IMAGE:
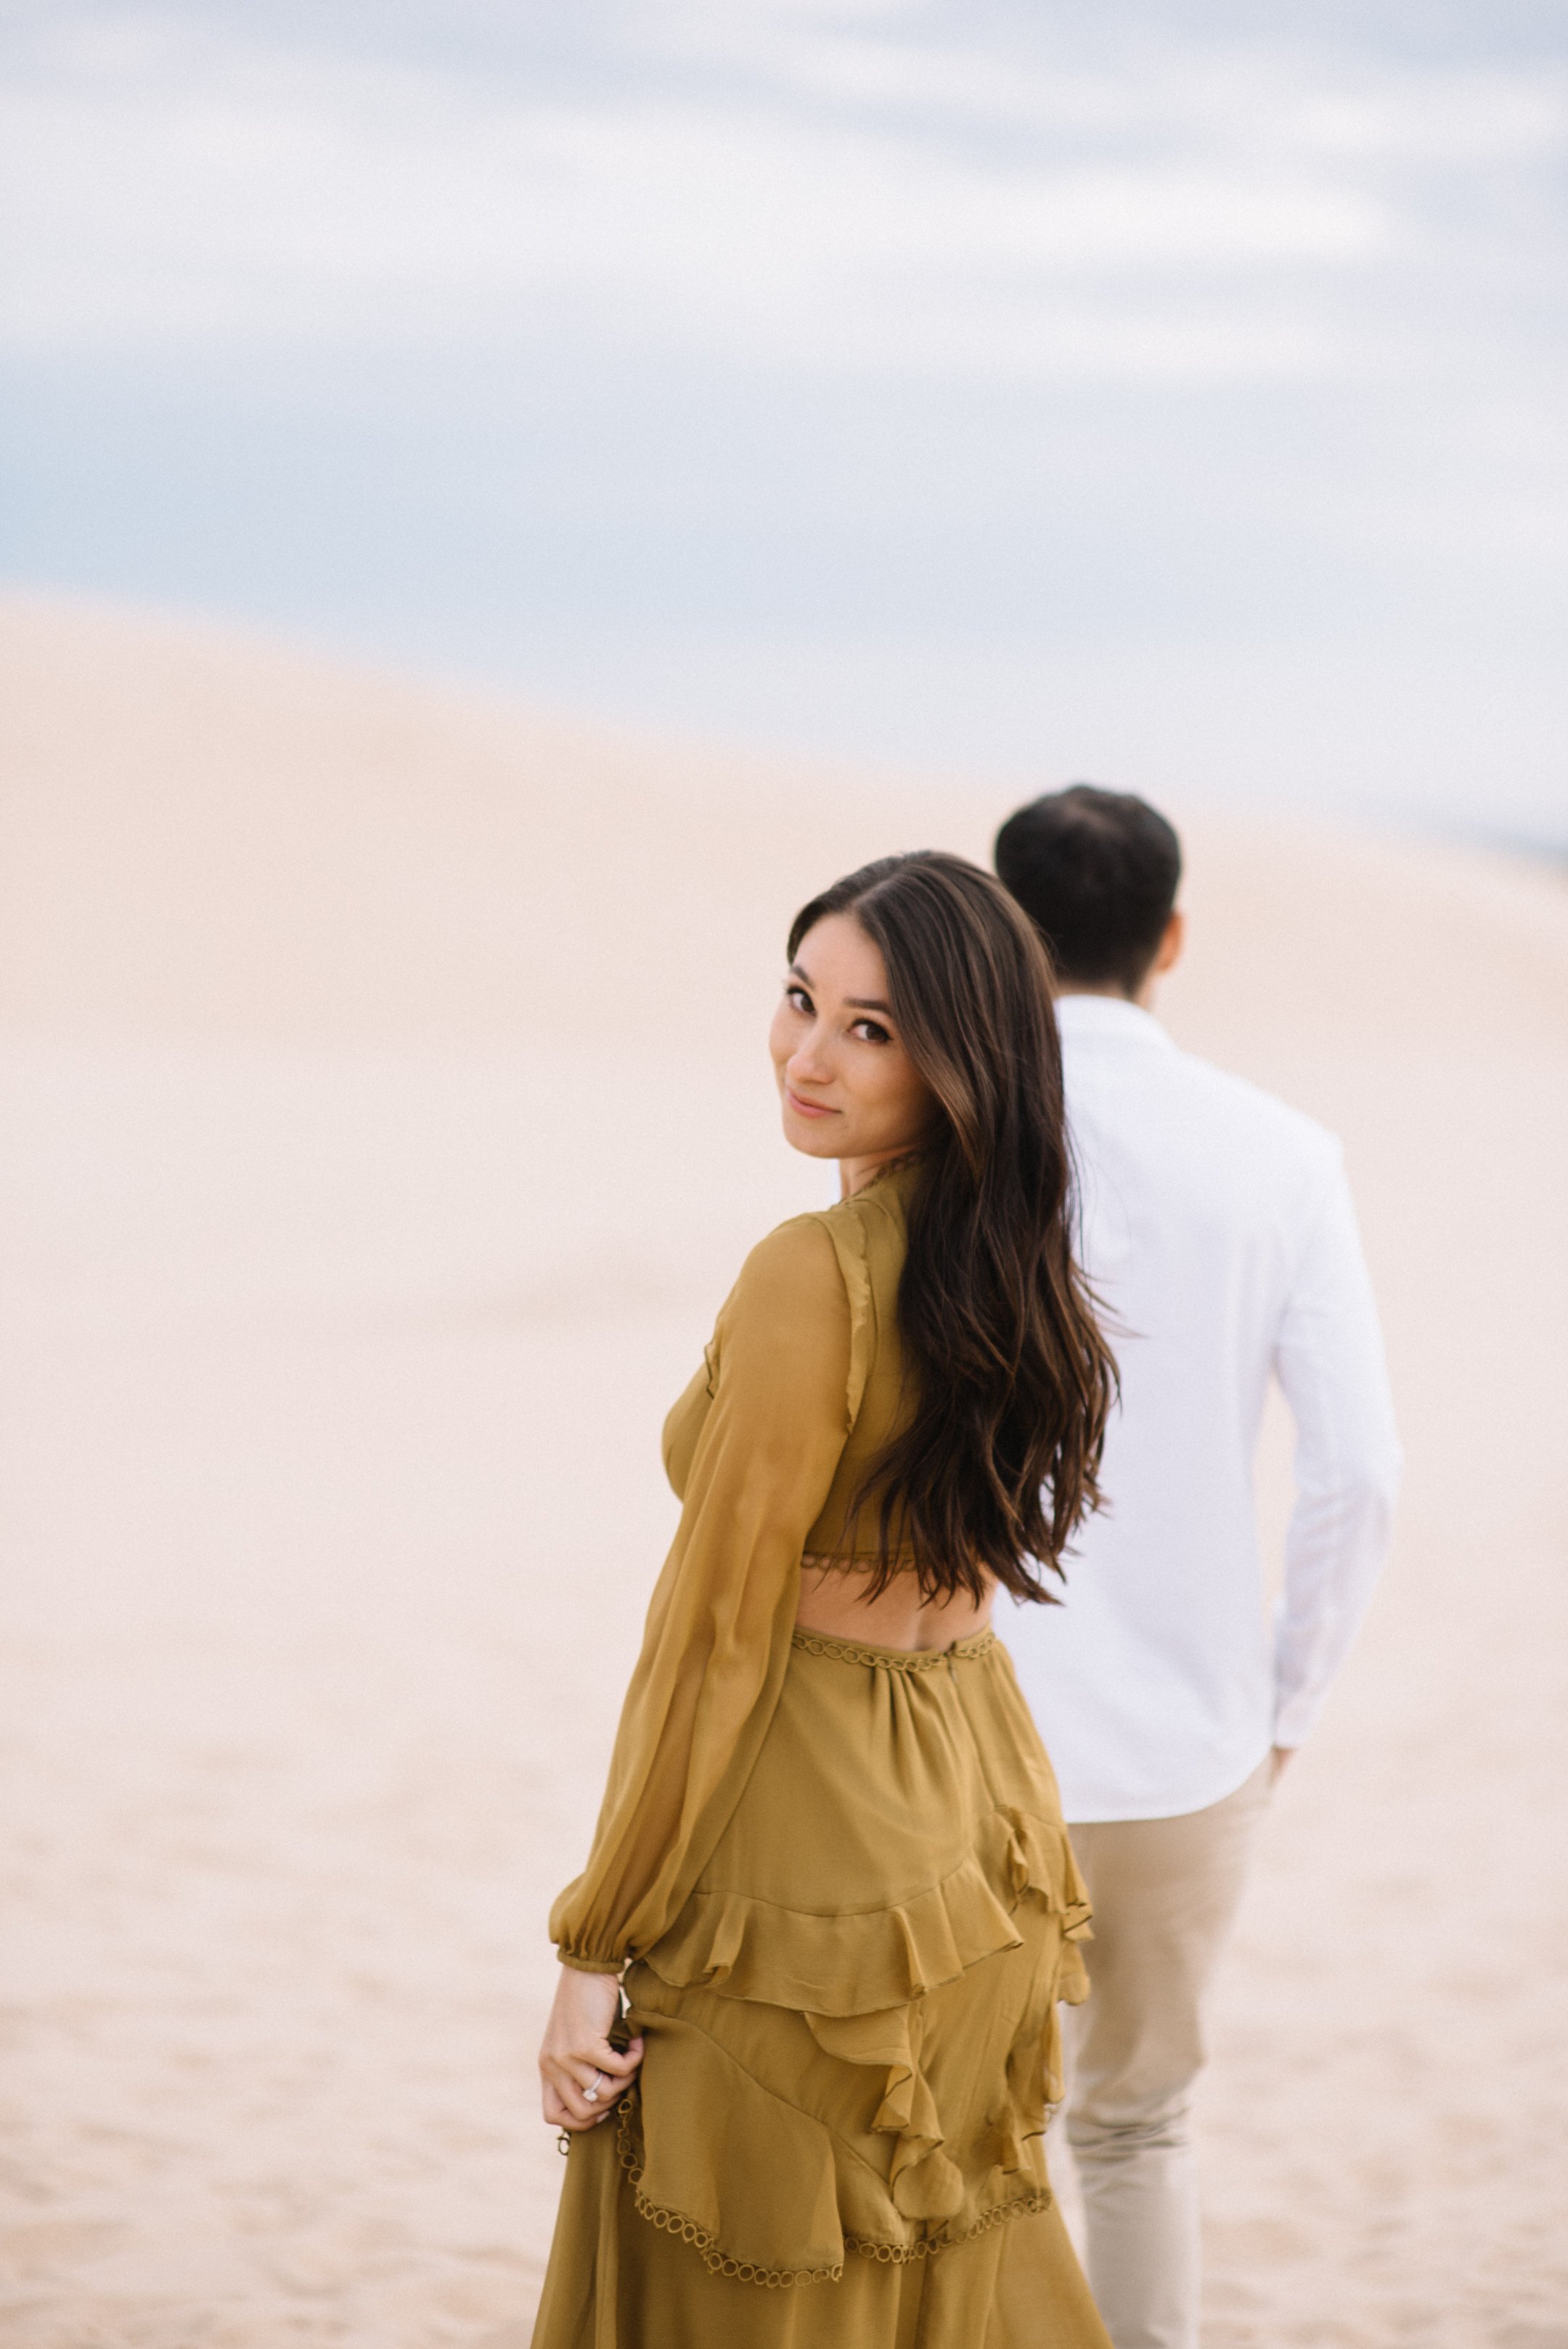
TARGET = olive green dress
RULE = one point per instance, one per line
(837, 1878)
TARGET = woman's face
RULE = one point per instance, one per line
(848, 1088)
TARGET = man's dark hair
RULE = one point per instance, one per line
(1096, 872)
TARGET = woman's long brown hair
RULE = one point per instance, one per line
(1011, 1379)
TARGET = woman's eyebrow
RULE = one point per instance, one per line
(854, 1003)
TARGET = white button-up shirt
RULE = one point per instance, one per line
(1218, 1232)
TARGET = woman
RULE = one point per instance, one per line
(830, 1859)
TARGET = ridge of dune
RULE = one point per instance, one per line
(206, 832)
(382, 1117)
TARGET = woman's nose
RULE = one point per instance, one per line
(805, 1065)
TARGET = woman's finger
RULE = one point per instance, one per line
(568, 2113)
(564, 2121)
(572, 2092)
(599, 2072)
(596, 2085)
(606, 2058)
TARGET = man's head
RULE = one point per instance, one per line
(1096, 872)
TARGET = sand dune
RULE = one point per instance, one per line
(383, 1116)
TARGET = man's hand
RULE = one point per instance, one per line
(581, 2073)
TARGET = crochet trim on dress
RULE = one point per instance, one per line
(865, 2246)
(702, 2241)
(894, 1660)
(898, 2255)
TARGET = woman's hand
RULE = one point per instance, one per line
(583, 2076)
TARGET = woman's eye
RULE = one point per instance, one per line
(873, 1032)
(798, 999)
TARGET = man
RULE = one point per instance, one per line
(1218, 1232)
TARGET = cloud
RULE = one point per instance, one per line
(858, 203)
(859, 362)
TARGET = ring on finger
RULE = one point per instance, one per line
(591, 2093)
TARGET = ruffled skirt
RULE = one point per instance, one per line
(852, 2040)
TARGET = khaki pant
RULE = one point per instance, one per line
(1164, 1892)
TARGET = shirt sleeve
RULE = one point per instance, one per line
(719, 1627)
(1329, 1361)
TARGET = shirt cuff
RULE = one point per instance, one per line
(590, 1965)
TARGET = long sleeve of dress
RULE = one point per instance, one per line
(717, 1640)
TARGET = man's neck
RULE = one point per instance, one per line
(1143, 1000)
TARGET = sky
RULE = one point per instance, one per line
(1170, 396)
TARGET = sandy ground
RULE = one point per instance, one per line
(381, 1116)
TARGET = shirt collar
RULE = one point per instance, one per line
(1109, 1018)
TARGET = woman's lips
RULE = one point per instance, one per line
(806, 1108)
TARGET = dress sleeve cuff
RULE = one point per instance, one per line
(590, 1965)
